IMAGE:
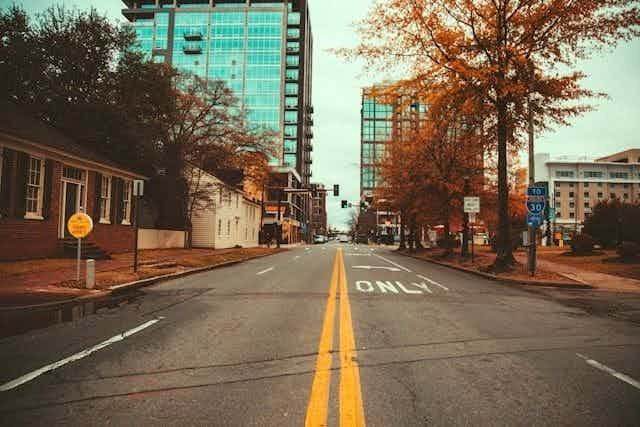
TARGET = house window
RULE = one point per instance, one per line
(126, 203)
(105, 199)
(228, 227)
(219, 225)
(35, 184)
(237, 200)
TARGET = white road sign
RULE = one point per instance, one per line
(472, 204)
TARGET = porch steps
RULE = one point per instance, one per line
(87, 250)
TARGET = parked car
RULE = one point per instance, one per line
(319, 238)
(361, 239)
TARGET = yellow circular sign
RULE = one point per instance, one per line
(80, 225)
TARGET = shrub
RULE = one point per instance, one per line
(628, 250)
(582, 244)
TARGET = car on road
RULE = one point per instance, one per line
(344, 238)
(320, 239)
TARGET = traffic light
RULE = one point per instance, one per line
(345, 204)
(336, 190)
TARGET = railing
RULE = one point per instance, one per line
(191, 48)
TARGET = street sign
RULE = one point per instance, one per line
(336, 190)
(80, 225)
(536, 204)
(534, 220)
(472, 204)
(537, 191)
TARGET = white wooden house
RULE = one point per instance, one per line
(227, 220)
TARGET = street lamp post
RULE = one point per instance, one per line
(465, 224)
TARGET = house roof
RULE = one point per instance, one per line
(16, 122)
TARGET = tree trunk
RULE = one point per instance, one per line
(412, 235)
(504, 256)
(419, 237)
(403, 244)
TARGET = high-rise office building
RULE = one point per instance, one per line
(262, 50)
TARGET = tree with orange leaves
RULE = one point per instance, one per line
(512, 55)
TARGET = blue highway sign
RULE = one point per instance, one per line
(534, 220)
(537, 191)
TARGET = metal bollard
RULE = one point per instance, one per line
(91, 274)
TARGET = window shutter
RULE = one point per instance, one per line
(5, 183)
(97, 199)
(48, 187)
(114, 200)
(20, 189)
(119, 203)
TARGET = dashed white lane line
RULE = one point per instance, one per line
(80, 355)
(393, 263)
(622, 377)
(264, 271)
(433, 282)
(296, 257)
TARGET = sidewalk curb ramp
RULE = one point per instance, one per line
(20, 319)
(506, 280)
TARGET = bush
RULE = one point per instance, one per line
(628, 250)
(582, 244)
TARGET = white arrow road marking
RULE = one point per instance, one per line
(393, 263)
(622, 377)
(373, 267)
(81, 355)
(433, 282)
(264, 271)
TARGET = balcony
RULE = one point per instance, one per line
(308, 161)
(291, 107)
(308, 146)
(309, 135)
(192, 34)
(293, 50)
(192, 48)
(310, 109)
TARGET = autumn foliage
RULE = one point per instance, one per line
(509, 57)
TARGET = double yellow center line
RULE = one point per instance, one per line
(351, 407)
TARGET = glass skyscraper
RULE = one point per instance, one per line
(261, 49)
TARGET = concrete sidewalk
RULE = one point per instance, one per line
(601, 281)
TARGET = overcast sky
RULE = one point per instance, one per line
(615, 126)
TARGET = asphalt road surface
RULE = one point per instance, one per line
(328, 335)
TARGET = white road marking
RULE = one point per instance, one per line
(360, 286)
(264, 271)
(374, 267)
(81, 355)
(407, 291)
(296, 257)
(433, 282)
(393, 263)
(622, 377)
(423, 286)
(358, 254)
(386, 286)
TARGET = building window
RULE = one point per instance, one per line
(625, 185)
(558, 204)
(35, 183)
(558, 214)
(572, 215)
(105, 199)
(126, 202)
(557, 194)
(625, 196)
(586, 204)
(564, 174)
(592, 174)
(586, 185)
(612, 195)
(600, 195)
(586, 194)
(571, 185)
(571, 194)
(612, 185)
(572, 205)
(219, 227)
(619, 175)
(228, 227)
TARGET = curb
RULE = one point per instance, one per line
(15, 320)
(507, 280)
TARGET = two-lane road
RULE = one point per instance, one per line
(327, 335)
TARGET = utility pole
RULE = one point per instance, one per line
(279, 224)
(532, 181)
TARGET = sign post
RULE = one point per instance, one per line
(472, 207)
(536, 204)
(79, 225)
(138, 192)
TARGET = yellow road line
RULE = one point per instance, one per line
(351, 407)
(319, 399)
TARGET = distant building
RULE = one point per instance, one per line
(319, 211)
(45, 177)
(577, 185)
(290, 205)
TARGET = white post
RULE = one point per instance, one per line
(78, 261)
(91, 274)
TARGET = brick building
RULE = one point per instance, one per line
(45, 177)
(319, 211)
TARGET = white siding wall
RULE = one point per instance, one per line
(231, 221)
